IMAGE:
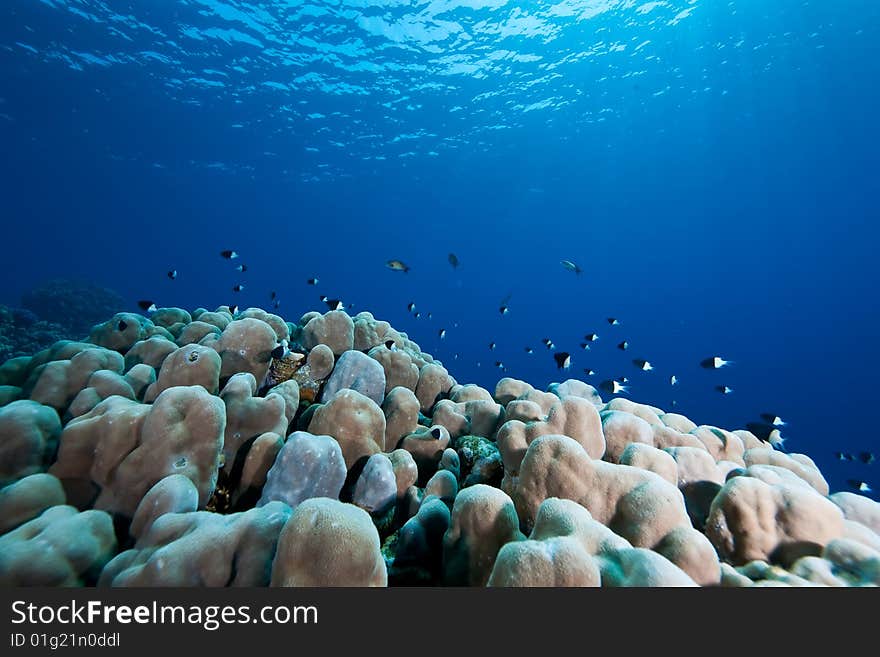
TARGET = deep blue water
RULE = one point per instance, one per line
(712, 167)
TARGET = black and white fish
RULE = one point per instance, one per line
(613, 387)
(548, 343)
(229, 255)
(172, 274)
(233, 309)
(859, 485)
(333, 304)
(241, 267)
(775, 420)
(238, 288)
(623, 346)
(673, 380)
(442, 333)
(589, 372)
(585, 346)
(499, 364)
(714, 363)
(844, 456)
(411, 306)
(492, 345)
(504, 309)
(591, 337)
(724, 390)
(563, 360)
(643, 365)
(613, 321)
(867, 457)
(281, 350)
(147, 306)
(312, 281)
(529, 350)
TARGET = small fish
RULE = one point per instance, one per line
(548, 343)
(172, 274)
(122, 325)
(563, 360)
(233, 309)
(613, 387)
(229, 255)
(147, 306)
(280, 351)
(529, 350)
(589, 372)
(241, 268)
(775, 420)
(623, 346)
(454, 356)
(453, 260)
(442, 333)
(389, 344)
(613, 321)
(623, 379)
(570, 266)
(776, 440)
(417, 315)
(504, 310)
(585, 346)
(277, 304)
(430, 315)
(499, 364)
(238, 288)
(397, 265)
(411, 306)
(673, 380)
(724, 390)
(436, 433)
(273, 295)
(312, 281)
(674, 403)
(333, 304)
(643, 365)
(591, 337)
(714, 363)
(859, 485)
(844, 456)
(492, 345)
(866, 457)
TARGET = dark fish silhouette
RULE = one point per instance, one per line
(172, 274)
(563, 360)
(229, 255)
(333, 304)
(147, 306)
(312, 281)
(866, 457)
(714, 363)
(453, 260)
(238, 288)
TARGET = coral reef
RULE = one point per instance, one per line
(225, 448)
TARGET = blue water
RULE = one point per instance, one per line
(712, 167)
